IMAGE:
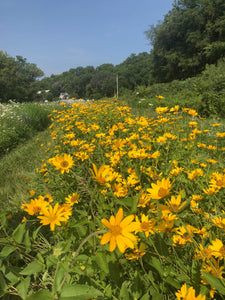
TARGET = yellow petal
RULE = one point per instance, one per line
(106, 238)
(119, 216)
(106, 223)
(126, 221)
(112, 244)
(121, 244)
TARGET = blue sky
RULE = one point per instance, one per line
(58, 35)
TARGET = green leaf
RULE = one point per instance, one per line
(18, 233)
(195, 272)
(161, 245)
(27, 241)
(59, 277)
(73, 224)
(33, 267)
(108, 291)
(35, 233)
(145, 297)
(3, 285)
(215, 282)
(124, 295)
(41, 295)
(155, 262)
(6, 250)
(157, 297)
(23, 286)
(12, 277)
(101, 261)
(79, 292)
(173, 282)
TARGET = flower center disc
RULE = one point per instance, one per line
(162, 192)
(64, 164)
(116, 230)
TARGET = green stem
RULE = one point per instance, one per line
(76, 254)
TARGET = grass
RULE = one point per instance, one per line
(18, 171)
(205, 93)
(20, 121)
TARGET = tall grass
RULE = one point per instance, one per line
(18, 171)
(19, 122)
(205, 93)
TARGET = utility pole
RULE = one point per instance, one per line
(117, 87)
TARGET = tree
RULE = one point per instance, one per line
(17, 78)
(135, 70)
(191, 35)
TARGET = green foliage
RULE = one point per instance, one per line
(17, 78)
(205, 93)
(99, 82)
(20, 121)
(190, 36)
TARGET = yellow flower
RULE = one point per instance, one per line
(192, 112)
(159, 97)
(212, 267)
(72, 199)
(218, 249)
(161, 139)
(136, 253)
(212, 161)
(167, 222)
(185, 235)
(202, 253)
(32, 192)
(82, 155)
(36, 206)
(24, 220)
(119, 190)
(195, 173)
(217, 181)
(161, 110)
(143, 199)
(175, 108)
(211, 147)
(63, 162)
(176, 171)
(119, 232)
(53, 216)
(161, 189)
(102, 175)
(219, 222)
(132, 180)
(153, 174)
(211, 190)
(145, 225)
(193, 124)
(188, 294)
(175, 203)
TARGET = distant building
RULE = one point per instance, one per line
(63, 96)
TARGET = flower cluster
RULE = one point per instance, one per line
(150, 180)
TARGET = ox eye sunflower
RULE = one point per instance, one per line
(161, 189)
(119, 232)
(63, 162)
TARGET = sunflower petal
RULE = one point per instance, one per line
(112, 245)
(106, 238)
(119, 216)
(126, 221)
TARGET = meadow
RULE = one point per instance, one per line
(118, 205)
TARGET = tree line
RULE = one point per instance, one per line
(191, 35)
(17, 78)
